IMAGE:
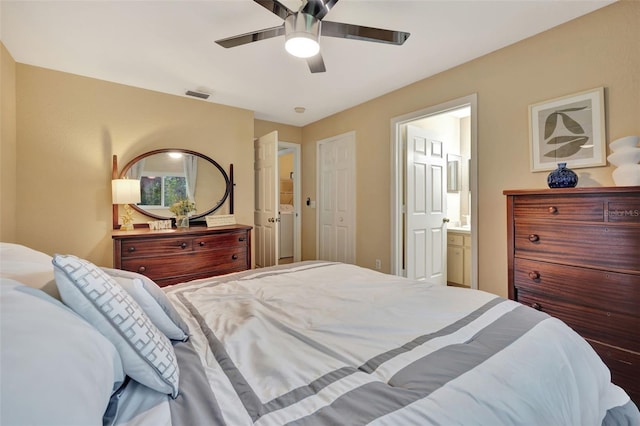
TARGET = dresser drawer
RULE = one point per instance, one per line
(624, 366)
(606, 246)
(155, 247)
(598, 324)
(589, 287)
(217, 241)
(209, 263)
(554, 207)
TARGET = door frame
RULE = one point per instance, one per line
(350, 137)
(297, 197)
(397, 171)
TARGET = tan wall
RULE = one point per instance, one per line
(8, 159)
(68, 128)
(599, 49)
(286, 132)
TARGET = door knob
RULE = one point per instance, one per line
(445, 220)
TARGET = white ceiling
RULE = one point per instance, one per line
(168, 46)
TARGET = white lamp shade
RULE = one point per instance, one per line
(125, 191)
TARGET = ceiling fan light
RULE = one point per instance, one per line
(301, 35)
(302, 46)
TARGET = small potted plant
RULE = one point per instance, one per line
(182, 209)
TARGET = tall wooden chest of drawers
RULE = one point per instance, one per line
(575, 254)
(171, 256)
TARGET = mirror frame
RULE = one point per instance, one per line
(228, 193)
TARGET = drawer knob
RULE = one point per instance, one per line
(183, 245)
(142, 269)
(234, 257)
(201, 243)
(553, 209)
(536, 306)
(241, 239)
(534, 275)
(131, 249)
(534, 237)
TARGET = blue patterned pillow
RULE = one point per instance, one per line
(155, 303)
(147, 355)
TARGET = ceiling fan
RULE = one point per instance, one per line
(303, 28)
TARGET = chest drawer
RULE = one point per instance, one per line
(624, 366)
(591, 323)
(589, 287)
(156, 247)
(552, 207)
(606, 246)
(212, 242)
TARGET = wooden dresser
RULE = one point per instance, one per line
(172, 256)
(575, 254)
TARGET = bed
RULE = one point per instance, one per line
(310, 343)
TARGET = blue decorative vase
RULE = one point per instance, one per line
(562, 177)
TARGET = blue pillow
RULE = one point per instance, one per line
(147, 354)
(153, 301)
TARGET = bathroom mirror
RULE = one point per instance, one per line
(171, 175)
(453, 173)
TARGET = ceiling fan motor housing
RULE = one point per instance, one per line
(301, 34)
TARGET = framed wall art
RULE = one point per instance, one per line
(570, 129)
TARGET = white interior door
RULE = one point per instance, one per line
(336, 195)
(426, 231)
(266, 218)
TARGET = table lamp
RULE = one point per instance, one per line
(125, 192)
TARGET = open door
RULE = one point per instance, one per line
(266, 219)
(426, 230)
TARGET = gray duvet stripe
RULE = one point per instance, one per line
(250, 400)
(372, 365)
(273, 270)
(195, 401)
(626, 415)
(425, 375)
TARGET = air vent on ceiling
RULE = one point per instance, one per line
(197, 94)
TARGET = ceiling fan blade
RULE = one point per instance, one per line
(316, 64)
(318, 8)
(251, 37)
(359, 32)
(274, 6)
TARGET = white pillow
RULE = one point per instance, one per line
(28, 266)
(147, 354)
(56, 368)
(155, 303)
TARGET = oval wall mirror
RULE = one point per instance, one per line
(171, 175)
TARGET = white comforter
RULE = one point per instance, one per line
(325, 343)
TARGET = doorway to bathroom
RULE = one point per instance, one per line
(434, 193)
(289, 202)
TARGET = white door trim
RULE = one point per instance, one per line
(350, 137)
(397, 161)
(297, 202)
